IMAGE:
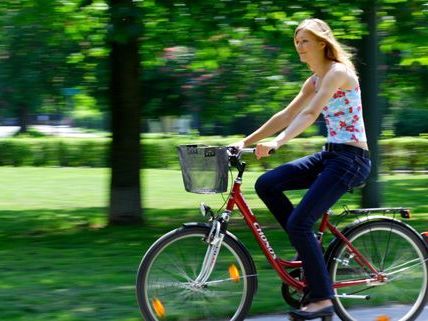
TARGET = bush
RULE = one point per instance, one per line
(159, 151)
(53, 152)
(411, 122)
(95, 120)
(404, 153)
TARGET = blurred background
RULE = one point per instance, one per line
(212, 68)
(82, 79)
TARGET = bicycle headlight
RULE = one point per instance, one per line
(203, 209)
(206, 211)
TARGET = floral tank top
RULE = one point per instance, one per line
(343, 116)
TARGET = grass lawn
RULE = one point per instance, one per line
(60, 263)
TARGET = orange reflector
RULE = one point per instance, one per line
(158, 307)
(383, 318)
(234, 273)
(405, 213)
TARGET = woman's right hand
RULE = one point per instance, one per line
(238, 145)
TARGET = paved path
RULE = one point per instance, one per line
(7, 131)
(62, 131)
(365, 315)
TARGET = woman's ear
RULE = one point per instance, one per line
(322, 44)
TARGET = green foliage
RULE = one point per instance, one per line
(237, 59)
(402, 34)
(89, 119)
(54, 152)
(86, 113)
(159, 151)
(47, 46)
(231, 59)
(404, 153)
(224, 60)
(411, 122)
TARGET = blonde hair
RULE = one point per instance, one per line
(333, 50)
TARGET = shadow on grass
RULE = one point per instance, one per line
(68, 265)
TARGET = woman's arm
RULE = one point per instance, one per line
(282, 119)
(333, 80)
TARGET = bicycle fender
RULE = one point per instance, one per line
(232, 236)
(425, 237)
(366, 220)
(208, 226)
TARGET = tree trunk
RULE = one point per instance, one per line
(125, 196)
(368, 56)
(23, 118)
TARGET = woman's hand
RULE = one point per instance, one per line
(238, 145)
(264, 149)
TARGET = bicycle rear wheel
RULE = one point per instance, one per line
(166, 287)
(393, 249)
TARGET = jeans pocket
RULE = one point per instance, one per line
(365, 163)
(357, 172)
(362, 172)
(351, 169)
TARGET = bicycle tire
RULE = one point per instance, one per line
(164, 279)
(393, 248)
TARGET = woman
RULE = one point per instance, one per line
(332, 90)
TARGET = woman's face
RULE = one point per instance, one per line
(308, 46)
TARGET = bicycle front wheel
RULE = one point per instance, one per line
(400, 255)
(167, 286)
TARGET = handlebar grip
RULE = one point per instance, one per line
(247, 150)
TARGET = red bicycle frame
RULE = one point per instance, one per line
(280, 265)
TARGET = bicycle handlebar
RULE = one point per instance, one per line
(247, 150)
(233, 151)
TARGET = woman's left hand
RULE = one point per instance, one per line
(265, 149)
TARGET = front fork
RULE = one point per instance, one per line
(214, 239)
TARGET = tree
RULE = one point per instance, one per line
(403, 31)
(124, 94)
(368, 68)
(33, 56)
(233, 56)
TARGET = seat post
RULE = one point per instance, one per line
(324, 221)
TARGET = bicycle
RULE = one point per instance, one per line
(201, 271)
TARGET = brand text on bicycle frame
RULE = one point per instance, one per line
(264, 239)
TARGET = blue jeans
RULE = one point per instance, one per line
(327, 175)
